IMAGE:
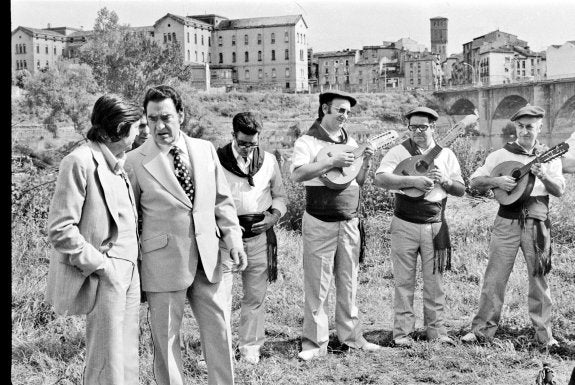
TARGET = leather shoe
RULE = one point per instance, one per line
(403, 341)
(311, 354)
(445, 340)
(371, 347)
(469, 338)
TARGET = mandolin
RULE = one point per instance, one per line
(338, 178)
(522, 175)
(419, 165)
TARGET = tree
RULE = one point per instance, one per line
(127, 62)
(67, 92)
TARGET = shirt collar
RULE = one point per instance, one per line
(239, 157)
(115, 164)
(180, 143)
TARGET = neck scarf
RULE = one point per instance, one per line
(230, 163)
(318, 132)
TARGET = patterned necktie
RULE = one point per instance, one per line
(182, 173)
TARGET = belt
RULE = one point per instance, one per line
(246, 222)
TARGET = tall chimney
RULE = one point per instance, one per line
(49, 25)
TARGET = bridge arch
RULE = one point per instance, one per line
(462, 106)
(500, 123)
(564, 121)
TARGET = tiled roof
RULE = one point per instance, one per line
(186, 20)
(37, 31)
(335, 53)
(260, 22)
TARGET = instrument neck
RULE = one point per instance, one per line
(432, 154)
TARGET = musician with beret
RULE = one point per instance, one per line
(524, 224)
(330, 229)
(419, 227)
(256, 184)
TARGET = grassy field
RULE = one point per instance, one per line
(48, 349)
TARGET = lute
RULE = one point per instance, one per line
(338, 178)
(522, 175)
(419, 165)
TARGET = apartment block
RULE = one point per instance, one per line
(264, 52)
(34, 49)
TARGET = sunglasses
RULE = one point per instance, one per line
(341, 110)
(420, 127)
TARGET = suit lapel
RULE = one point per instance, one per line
(105, 177)
(157, 165)
(196, 164)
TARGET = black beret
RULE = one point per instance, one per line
(328, 96)
(433, 116)
(528, 110)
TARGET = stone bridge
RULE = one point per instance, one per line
(497, 103)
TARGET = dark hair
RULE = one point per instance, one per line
(161, 92)
(248, 123)
(111, 118)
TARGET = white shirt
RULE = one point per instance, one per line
(244, 165)
(553, 168)
(446, 161)
(305, 150)
(181, 144)
(268, 190)
(571, 142)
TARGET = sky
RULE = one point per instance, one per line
(335, 24)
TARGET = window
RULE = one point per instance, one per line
(233, 57)
(38, 64)
(286, 36)
(259, 55)
(287, 84)
(246, 40)
(247, 75)
(165, 38)
(202, 39)
(47, 64)
(273, 73)
(287, 72)
(246, 56)
(24, 47)
(203, 57)
(287, 54)
(174, 36)
(259, 38)
(169, 37)
(209, 57)
(46, 49)
(220, 41)
(187, 37)
(209, 41)
(301, 55)
(25, 65)
(195, 38)
(326, 70)
(188, 55)
(260, 73)
(221, 58)
(233, 39)
(54, 50)
(196, 55)
(273, 54)
(273, 38)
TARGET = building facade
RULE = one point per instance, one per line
(561, 60)
(472, 50)
(36, 49)
(265, 52)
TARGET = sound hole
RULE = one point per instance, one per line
(421, 167)
(516, 174)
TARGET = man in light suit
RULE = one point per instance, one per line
(187, 210)
(92, 225)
